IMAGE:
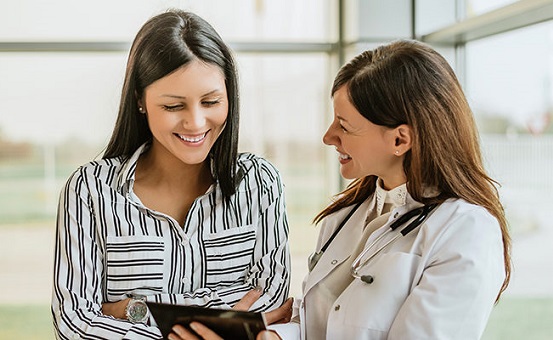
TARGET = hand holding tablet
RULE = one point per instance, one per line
(228, 324)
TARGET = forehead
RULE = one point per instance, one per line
(194, 78)
(343, 108)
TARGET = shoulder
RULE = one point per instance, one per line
(460, 222)
(105, 170)
(459, 210)
(251, 167)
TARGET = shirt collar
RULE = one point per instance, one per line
(395, 197)
(125, 180)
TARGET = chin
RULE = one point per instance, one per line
(192, 159)
(347, 175)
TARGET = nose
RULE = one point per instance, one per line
(194, 118)
(329, 138)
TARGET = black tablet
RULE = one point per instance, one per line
(228, 324)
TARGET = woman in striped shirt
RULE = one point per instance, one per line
(171, 213)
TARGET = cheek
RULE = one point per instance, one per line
(220, 117)
(158, 121)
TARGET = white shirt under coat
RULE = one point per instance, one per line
(438, 282)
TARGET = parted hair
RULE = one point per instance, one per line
(408, 82)
(165, 43)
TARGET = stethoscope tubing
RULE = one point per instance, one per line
(355, 266)
(423, 214)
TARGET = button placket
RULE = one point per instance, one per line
(185, 240)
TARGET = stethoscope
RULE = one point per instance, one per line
(422, 213)
(316, 256)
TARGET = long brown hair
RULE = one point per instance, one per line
(408, 82)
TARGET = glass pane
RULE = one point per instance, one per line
(431, 15)
(509, 81)
(57, 111)
(285, 105)
(104, 20)
(477, 7)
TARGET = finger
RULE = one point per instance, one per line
(204, 332)
(248, 300)
(286, 319)
(267, 335)
(180, 332)
(281, 314)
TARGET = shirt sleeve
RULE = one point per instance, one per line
(78, 271)
(270, 263)
(457, 290)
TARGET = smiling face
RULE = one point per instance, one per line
(186, 112)
(365, 148)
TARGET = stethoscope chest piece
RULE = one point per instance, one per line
(368, 279)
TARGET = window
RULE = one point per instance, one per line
(510, 93)
(59, 97)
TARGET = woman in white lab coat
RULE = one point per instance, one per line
(405, 134)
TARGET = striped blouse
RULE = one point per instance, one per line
(109, 245)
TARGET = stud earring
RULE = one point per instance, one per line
(397, 152)
(141, 109)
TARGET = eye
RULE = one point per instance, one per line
(343, 128)
(209, 103)
(172, 107)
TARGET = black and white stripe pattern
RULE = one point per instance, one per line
(109, 245)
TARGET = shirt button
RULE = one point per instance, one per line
(334, 262)
(76, 336)
(337, 307)
(395, 215)
(184, 280)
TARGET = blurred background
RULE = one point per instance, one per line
(61, 70)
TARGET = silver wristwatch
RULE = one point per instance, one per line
(137, 310)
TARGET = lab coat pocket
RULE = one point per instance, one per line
(134, 264)
(375, 305)
(229, 255)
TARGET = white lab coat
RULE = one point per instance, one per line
(438, 282)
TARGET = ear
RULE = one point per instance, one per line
(402, 139)
(140, 103)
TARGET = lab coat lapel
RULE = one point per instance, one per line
(341, 247)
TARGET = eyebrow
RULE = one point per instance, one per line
(342, 118)
(183, 97)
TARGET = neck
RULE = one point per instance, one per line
(392, 183)
(168, 171)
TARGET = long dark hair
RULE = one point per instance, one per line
(165, 43)
(407, 82)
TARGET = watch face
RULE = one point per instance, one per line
(137, 311)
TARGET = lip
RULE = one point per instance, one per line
(343, 157)
(192, 140)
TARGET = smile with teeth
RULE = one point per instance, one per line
(192, 139)
(343, 156)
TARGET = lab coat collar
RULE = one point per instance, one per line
(341, 247)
